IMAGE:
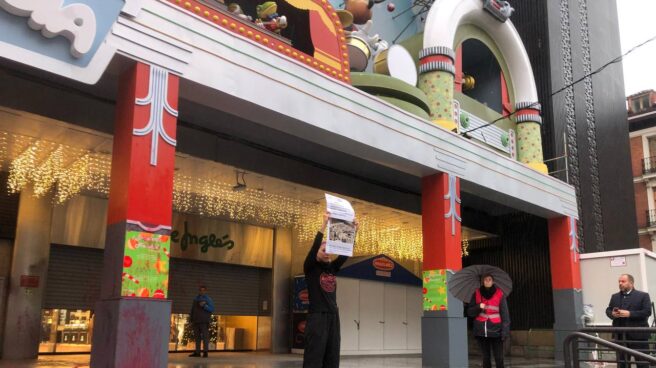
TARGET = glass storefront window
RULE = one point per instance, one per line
(226, 333)
(69, 331)
(66, 331)
(181, 337)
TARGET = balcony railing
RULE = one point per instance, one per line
(649, 165)
(651, 218)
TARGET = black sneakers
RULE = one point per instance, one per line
(198, 355)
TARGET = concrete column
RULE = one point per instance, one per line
(443, 327)
(529, 136)
(132, 319)
(565, 279)
(29, 264)
(282, 276)
(436, 80)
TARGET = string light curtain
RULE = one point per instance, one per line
(68, 171)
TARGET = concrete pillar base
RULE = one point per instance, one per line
(131, 332)
(444, 342)
(568, 310)
(30, 259)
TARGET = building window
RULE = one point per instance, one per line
(649, 162)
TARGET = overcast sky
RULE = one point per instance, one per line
(637, 24)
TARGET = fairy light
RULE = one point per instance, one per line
(70, 171)
(464, 250)
(21, 169)
(77, 178)
(3, 149)
(48, 173)
(99, 173)
(182, 195)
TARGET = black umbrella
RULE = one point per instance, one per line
(464, 283)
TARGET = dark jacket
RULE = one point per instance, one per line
(321, 279)
(639, 304)
(201, 314)
(487, 328)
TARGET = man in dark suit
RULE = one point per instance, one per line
(630, 308)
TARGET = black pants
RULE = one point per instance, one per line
(488, 346)
(201, 331)
(322, 340)
(640, 346)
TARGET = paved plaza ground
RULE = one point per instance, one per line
(263, 360)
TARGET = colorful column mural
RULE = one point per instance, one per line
(444, 329)
(436, 80)
(565, 279)
(132, 318)
(529, 138)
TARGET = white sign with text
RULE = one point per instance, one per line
(341, 229)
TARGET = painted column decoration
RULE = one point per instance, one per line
(565, 278)
(529, 137)
(573, 240)
(453, 196)
(441, 226)
(147, 185)
(436, 80)
(445, 232)
(133, 315)
(564, 252)
(440, 219)
(158, 85)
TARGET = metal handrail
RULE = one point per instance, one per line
(571, 352)
(618, 329)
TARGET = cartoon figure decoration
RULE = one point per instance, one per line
(235, 9)
(361, 44)
(501, 10)
(267, 17)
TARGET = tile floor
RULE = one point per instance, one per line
(263, 360)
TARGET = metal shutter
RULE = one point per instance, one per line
(73, 277)
(235, 290)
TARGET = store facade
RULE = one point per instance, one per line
(237, 273)
(164, 84)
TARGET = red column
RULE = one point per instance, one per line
(565, 279)
(443, 328)
(132, 318)
(141, 192)
(564, 253)
(440, 211)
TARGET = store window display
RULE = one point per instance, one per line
(70, 331)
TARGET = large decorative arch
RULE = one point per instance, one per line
(444, 19)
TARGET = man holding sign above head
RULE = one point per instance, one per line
(322, 336)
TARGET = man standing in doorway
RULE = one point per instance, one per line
(322, 335)
(630, 308)
(201, 313)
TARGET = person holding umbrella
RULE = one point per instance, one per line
(489, 309)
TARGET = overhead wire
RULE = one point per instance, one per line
(596, 71)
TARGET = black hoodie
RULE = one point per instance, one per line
(321, 280)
